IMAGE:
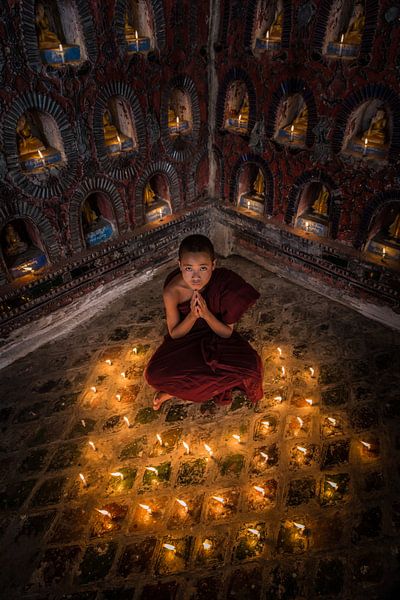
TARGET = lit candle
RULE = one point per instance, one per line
(332, 484)
(152, 470)
(383, 252)
(302, 449)
(301, 422)
(265, 423)
(119, 143)
(182, 503)
(236, 437)
(137, 40)
(134, 350)
(254, 531)
(186, 446)
(108, 361)
(61, 49)
(365, 146)
(267, 39)
(341, 44)
(280, 351)
(311, 372)
(207, 544)
(159, 438)
(127, 421)
(299, 526)
(42, 158)
(292, 133)
(160, 214)
(123, 375)
(248, 204)
(117, 474)
(82, 477)
(366, 444)
(218, 499)
(239, 119)
(146, 508)
(92, 445)
(283, 371)
(259, 489)
(265, 456)
(278, 398)
(208, 449)
(118, 397)
(83, 422)
(169, 547)
(332, 421)
(103, 512)
(309, 401)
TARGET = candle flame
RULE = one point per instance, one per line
(60, 47)
(40, 154)
(309, 401)
(267, 35)
(299, 526)
(280, 351)
(278, 398)
(283, 371)
(134, 350)
(207, 544)
(127, 421)
(208, 449)
(177, 121)
(240, 118)
(366, 141)
(265, 456)
(145, 507)
(81, 475)
(254, 531)
(312, 372)
(332, 420)
(259, 489)
(218, 499)
(186, 446)
(301, 422)
(92, 445)
(152, 469)
(366, 444)
(292, 128)
(169, 547)
(342, 38)
(236, 437)
(83, 422)
(117, 474)
(123, 374)
(118, 397)
(104, 512)
(301, 449)
(265, 423)
(159, 438)
(182, 503)
(108, 361)
(332, 484)
(94, 389)
(136, 35)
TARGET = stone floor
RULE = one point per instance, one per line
(305, 504)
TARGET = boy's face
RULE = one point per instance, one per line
(196, 269)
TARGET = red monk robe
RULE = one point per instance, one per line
(202, 365)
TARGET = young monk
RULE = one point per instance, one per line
(202, 357)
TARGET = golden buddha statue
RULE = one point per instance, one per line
(46, 38)
(14, 244)
(244, 110)
(131, 34)
(259, 183)
(320, 204)
(394, 229)
(27, 143)
(110, 131)
(376, 132)
(356, 26)
(148, 194)
(172, 116)
(299, 123)
(275, 31)
(89, 214)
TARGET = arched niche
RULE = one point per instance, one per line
(39, 143)
(268, 25)
(22, 250)
(368, 131)
(314, 208)
(156, 198)
(139, 29)
(345, 29)
(119, 127)
(292, 121)
(180, 115)
(383, 238)
(59, 32)
(251, 188)
(98, 221)
(236, 107)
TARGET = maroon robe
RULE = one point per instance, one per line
(202, 365)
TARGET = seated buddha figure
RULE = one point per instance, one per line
(155, 207)
(372, 141)
(115, 141)
(297, 129)
(253, 200)
(96, 228)
(51, 49)
(33, 153)
(21, 259)
(320, 204)
(259, 184)
(355, 29)
(394, 229)
(148, 195)
(275, 31)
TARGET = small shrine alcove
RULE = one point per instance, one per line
(268, 25)
(59, 32)
(22, 249)
(251, 188)
(236, 107)
(344, 29)
(314, 208)
(98, 220)
(156, 198)
(368, 131)
(292, 121)
(180, 116)
(39, 142)
(139, 26)
(384, 234)
(119, 127)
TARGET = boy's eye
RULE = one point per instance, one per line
(203, 268)
(188, 268)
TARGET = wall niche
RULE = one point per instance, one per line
(251, 188)
(119, 127)
(98, 220)
(314, 208)
(60, 37)
(139, 26)
(368, 131)
(292, 121)
(180, 116)
(236, 107)
(384, 234)
(345, 29)
(268, 25)
(39, 143)
(22, 250)
(156, 198)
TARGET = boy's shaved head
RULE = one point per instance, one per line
(196, 243)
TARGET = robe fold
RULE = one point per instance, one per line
(202, 365)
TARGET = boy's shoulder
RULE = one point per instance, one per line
(172, 281)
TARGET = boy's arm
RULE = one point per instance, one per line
(177, 328)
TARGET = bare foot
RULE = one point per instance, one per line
(159, 399)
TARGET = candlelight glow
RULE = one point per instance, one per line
(207, 544)
(159, 438)
(301, 449)
(366, 444)
(94, 389)
(332, 484)
(278, 398)
(236, 437)
(254, 531)
(108, 361)
(117, 474)
(332, 420)
(123, 374)
(208, 449)
(309, 401)
(127, 421)
(299, 526)
(265, 423)
(301, 422)
(146, 508)
(81, 475)
(182, 503)
(186, 446)
(134, 350)
(312, 372)
(118, 397)
(91, 444)
(259, 489)
(218, 499)
(265, 456)
(169, 547)
(152, 469)
(104, 512)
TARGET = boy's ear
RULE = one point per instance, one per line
(214, 263)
